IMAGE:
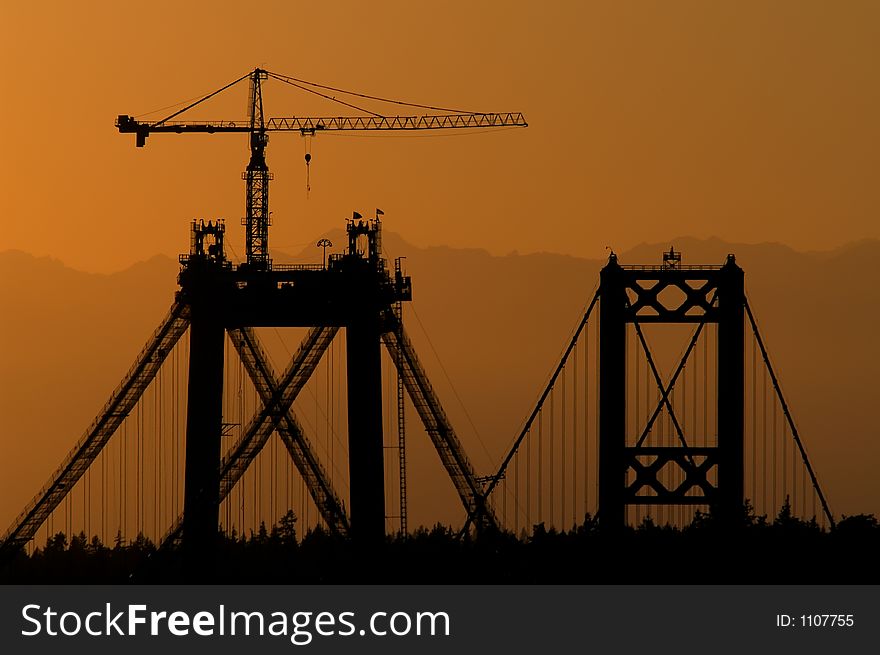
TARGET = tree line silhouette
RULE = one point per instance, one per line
(784, 550)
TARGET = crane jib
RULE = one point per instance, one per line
(127, 124)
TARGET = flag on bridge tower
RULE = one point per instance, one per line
(379, 212)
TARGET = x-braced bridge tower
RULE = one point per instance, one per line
(629, 436)
(634, 295)
(353, 290)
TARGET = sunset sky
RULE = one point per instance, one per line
(752, 121)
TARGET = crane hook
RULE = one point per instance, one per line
(308, 159)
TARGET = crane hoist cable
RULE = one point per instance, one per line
(308, 157)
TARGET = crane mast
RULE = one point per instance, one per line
(257, 176)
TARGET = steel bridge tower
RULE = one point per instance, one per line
(711, 474)
(354, 291)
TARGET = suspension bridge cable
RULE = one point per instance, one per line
(547, 389)
(788, 417)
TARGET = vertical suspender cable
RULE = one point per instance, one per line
(137, 464)
(159, 437)
(596, 413)
(586, 423)
(156, 460)
(785, 488)
(547, 390)
(516, 494)
(504, 503)
(529, 480)
(774, 469)
(764, 440)
(574, 436)
(540, 467)
(754, 424)
(706, 389)
(694, 377)
(103, 531)
(123, 477)
(550, 473)
(258, 473)
(67, 517)
(87, 501)
(562, 455)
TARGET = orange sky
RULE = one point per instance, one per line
(752, 121)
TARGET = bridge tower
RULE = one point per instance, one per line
(710, 474)
(354, 291)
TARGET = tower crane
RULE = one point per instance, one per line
(257, 127)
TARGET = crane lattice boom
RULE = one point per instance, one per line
(312, 125)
